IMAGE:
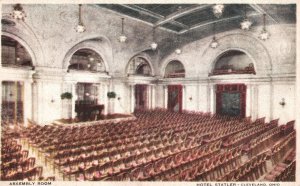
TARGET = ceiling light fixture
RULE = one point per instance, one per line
(264, 34)
(218, 10)
(18, 12)
(246, 24)
(122, 37)
(153, 44)
(178, 50)
(214, 43)
(80, 27)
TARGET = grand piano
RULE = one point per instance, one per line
(88, 110)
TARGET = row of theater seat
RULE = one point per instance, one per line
(160, 145)
(15, 163)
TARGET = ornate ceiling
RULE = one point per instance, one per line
(182, 18)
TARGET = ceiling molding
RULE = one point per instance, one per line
(180, 24)
(218, 21)
(152, 14)
(181, 13)
(142, 10)
(259, 9)
(134, 18)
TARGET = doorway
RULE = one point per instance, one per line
(141, 96)
(175, 98)
(12, 103)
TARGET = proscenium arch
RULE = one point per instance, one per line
(147, 59)
(221, 53)
(164, 66)
(87, 44)
(24, 44)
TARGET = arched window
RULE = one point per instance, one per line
(174, 69)
(233, 62)
(139, 66)
(14, 54)
(86, 60)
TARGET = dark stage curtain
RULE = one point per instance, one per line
(231, 99)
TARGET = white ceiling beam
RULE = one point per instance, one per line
(217, 21)
(152, 14)
(143, 11)
(180, 24)
(259, 9)
(181, 13)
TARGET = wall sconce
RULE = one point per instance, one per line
(191, 98)
(282, 102)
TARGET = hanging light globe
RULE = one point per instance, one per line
(218, 10)
(122, 38)
(214, 43)
(154, 46)
(264, 34)
(246, 24)
(80, 28)
(178, 51)
(18, 12)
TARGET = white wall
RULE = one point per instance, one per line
(287, 112)
(52, 43)
(191, 92)
(264, 98)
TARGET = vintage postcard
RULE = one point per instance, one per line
(202, 93)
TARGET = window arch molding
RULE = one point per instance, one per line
(146, 60)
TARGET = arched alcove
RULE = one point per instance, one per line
(251, 46)
(14, 54)
(23, 33)
(99, 45)
(139, 65)
(233, 62)
(87, 60)
(174, 69)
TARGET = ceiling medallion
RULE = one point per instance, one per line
(218, 10)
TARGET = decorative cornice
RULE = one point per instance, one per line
(20, 74)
